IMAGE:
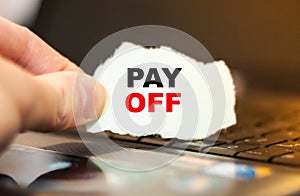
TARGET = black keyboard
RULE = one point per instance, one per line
(274, 140)
(268, 131)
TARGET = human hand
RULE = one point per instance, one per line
(37, 86)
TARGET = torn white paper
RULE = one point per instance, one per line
(193, 114)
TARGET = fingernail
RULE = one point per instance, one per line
(92, 97)
(101, 99)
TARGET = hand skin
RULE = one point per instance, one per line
(37, 86)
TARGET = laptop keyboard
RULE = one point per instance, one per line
(267, 131)
(274, 140)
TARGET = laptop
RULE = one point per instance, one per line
(258, 156)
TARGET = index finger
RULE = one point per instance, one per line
(28, 50)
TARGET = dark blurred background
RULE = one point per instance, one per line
(261, 39)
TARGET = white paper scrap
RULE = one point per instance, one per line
(195, 112)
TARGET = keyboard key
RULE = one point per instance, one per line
(154, 141)
(277, 125)
(261, 141)
(257, 131)
(231, 137)
(295, 126)
(192, 146)
(293, 118)
(290, 159)
(124, 137)
(228, 149)
(290, 145)
(135, 145)
(263, 154)
(285, 134)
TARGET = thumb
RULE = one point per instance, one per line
(72, 98)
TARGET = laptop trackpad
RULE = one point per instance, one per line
(37, 169)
